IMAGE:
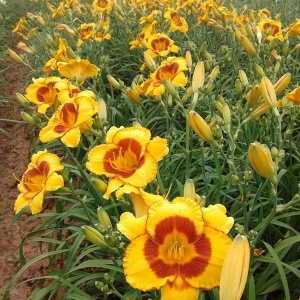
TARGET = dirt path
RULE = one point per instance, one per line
(13, 162)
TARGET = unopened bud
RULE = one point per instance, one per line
(102, 110)
(103, 217)
(198, 77)
(282, 83)
(99, 185)
(189, 189)
(248, 46)
(253, 95)
(114, 82)
(243, 78)
(27, 118)
(22, 100)
(13, 55)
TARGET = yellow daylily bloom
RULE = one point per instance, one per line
(129, 157)
(176, 22)
(272, 28)
(293, 29)
(294, 96)
(39, 179)
(102, 5)
(160, 45)
(72, 118)
(43, 92)
(172, 70)
(78, 69)
(177, 254)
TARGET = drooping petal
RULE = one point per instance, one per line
(215, 216)
(137, 269)
(212, 248)
(72, 137)
(131, 226)
(166, 217)
(51, 132)
(179, 289)
(112, 185)
(54, 182)
(158, 148)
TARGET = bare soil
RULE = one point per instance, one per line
(13, 163)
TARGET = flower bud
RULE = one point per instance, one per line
(65, 28)
(214, 73)
(188, 58)
(114, 82)
(282, 83)
(13, 55)
(133, 96)
(22, 100)
(189, 189)
(170, 88)
(248, 46)
(261, 161)
(243, 78)
(268, 93)
(27, 118)
(233, 280)
(253, 95)
(200, 127)
(99, 185)
(259, 70)
(41, 21)
(94, 236)
(150, 62)
(198, 76)
(103, 217)
(226, 114)
(238, 87)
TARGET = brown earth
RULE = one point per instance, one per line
(13, 163)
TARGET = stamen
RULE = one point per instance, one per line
(176, 250)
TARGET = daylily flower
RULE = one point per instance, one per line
(172, 70)
(129, 157)
(60, 56)
(102, 5)
(78, 69)
(66, 90)
(176, 22)
(43, 92)
(180, 247)
(71, 119)
(160, 45)
(293, 29)
(21, 25)
(272, 28)
(294, 96)
(39, 179)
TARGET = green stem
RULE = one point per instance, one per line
(84, 176)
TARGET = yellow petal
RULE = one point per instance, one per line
(112, 185)
(180, 211)
(215, 216)
(72, 137)
(137, 269)
(131, 226)
(158, 148)
(179, 289)
(54, 182)
(212, 247)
